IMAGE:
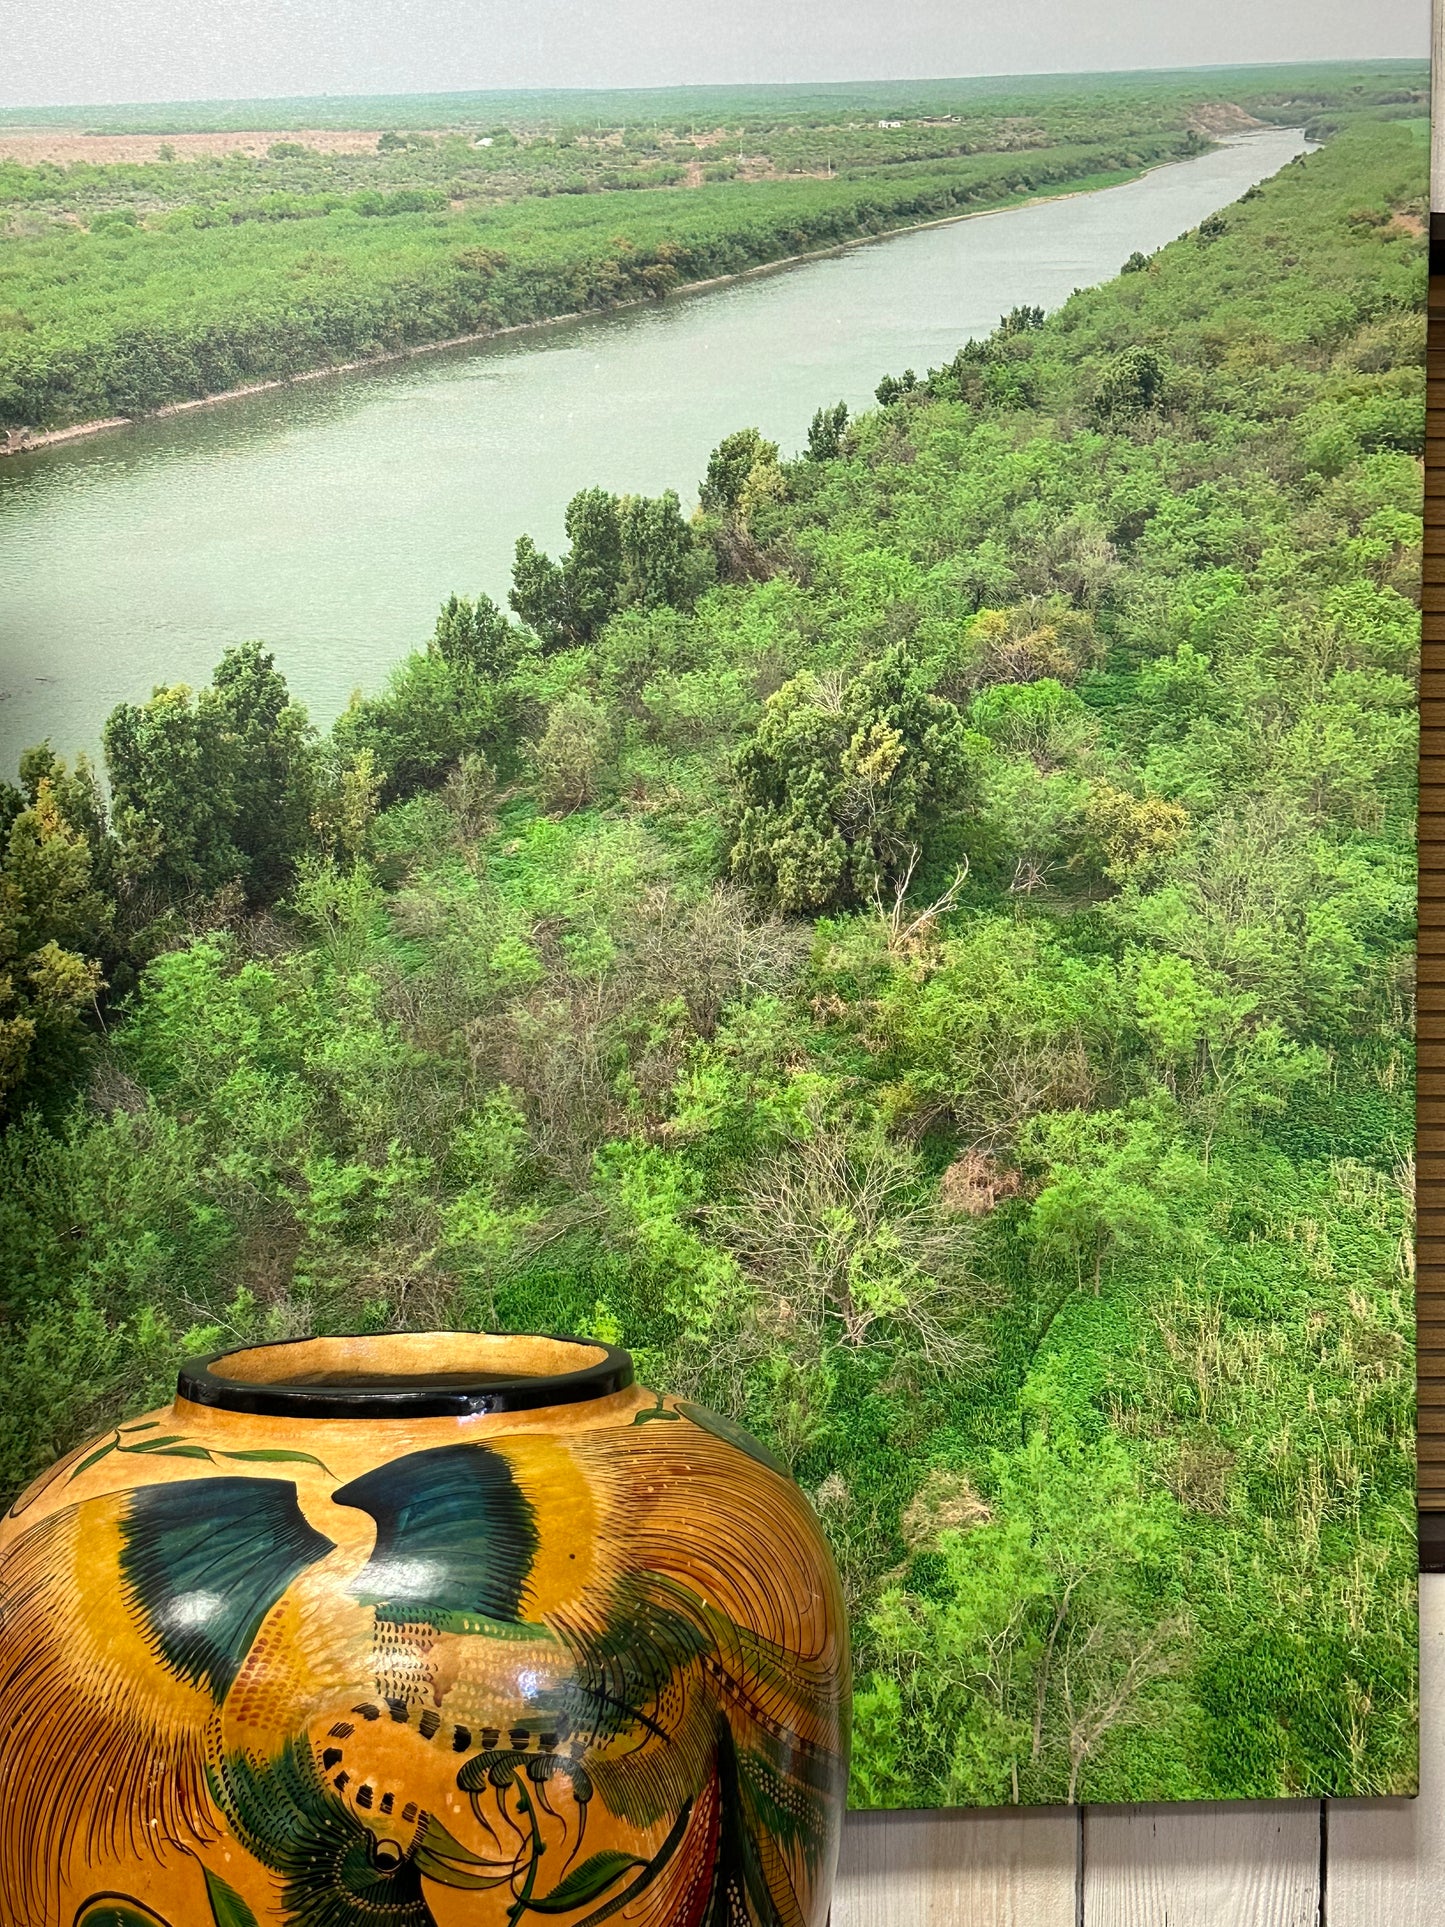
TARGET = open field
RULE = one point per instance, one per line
(63, 148)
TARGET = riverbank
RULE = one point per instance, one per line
(27, 442)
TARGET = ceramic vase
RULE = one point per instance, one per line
(409, 1630)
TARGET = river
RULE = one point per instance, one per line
(332, 518)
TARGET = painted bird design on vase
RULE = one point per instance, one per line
(478, 1685)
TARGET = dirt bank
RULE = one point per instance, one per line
(32, 146)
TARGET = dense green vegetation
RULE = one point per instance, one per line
(921, 952)
(128, 286)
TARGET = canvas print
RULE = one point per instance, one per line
(742, 686)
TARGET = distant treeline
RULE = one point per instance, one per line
(1281, 88)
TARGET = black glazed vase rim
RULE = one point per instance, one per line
(399, 1393)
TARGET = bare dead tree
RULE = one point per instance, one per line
(833, 1234)
(1095, 1707)
(902, 931)
(1028, 876)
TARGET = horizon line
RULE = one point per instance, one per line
(714, 86)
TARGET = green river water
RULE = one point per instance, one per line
(332, 518)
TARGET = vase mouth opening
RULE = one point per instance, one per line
(383, 1375)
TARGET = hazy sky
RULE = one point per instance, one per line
(89, 51)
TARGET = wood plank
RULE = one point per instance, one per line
(1009, 1869)
(1385, 1859)
(1242, 1865)
(1430, 1136)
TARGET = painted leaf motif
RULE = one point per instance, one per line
(586, 1882)
(275, 1455)
(93, 1458)
(440, 1856)
(226, 1904)
(733, 1434)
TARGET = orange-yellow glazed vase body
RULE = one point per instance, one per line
(419, 1631)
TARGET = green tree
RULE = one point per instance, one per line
(458, 697)
(76, 793)
(539, 595)
(428, 716)
(1131, 385)
(731, 466)
(1261, 905)
(572, 753)
(568, 602)
(826, 433)
(837, 791)
(893, 388)
(1005, 1023)
(1132, 835)
(1211, 1049)
(626, 551)
(1011, 1654)
(347, 795)
(213, 788)
(273, 763)
(53, 925)
(1112, 1181)
(172, 768)
(595, 567)
(476, 636)
(663, 566)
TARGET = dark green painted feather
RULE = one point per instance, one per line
(203, 1561)
(454, 1534)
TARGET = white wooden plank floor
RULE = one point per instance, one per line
(1337, 1863)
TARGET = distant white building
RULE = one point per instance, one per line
(890, 123)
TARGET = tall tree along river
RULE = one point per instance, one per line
(330, 519)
